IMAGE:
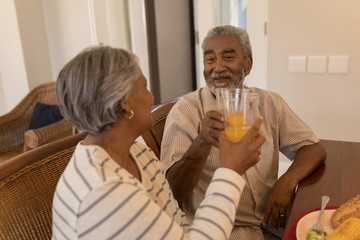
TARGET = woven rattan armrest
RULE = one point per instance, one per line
(15, 164)
(37, 137)
(12, 129)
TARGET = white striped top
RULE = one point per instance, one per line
(97, 199)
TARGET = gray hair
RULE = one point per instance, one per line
(242, 35)
(92, 85)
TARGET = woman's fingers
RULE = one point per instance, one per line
(253, 132)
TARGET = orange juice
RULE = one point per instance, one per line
(236, 128)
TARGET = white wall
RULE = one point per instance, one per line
(118, 23)
(68, 28)
(42, 36)
(204, 20)
(13, 78)
(139, 36)
(328, 103)
(256, 17)
(34, 41)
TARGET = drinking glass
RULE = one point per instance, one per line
(240, 111)
(220, 94)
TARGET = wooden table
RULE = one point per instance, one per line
(338, 178)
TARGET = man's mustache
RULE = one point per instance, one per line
(215, 75)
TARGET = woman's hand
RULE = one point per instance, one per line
(240, 156)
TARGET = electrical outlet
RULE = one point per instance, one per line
(316, 64)
(297, 64)
(338, 64)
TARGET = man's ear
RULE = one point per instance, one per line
(248, 65)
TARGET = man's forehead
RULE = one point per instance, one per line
(225, 50)
(223, 44)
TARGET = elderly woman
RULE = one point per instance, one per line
(114, 187)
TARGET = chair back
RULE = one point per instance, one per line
(27, 185)
(153, 136)
(44, 93)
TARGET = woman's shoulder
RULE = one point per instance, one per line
(96, 166)
(145, 158)
(140, 149)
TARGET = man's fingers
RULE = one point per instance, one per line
(213, 120)
(212, 114)
(267, 216)
(282, 218)
(275, 221)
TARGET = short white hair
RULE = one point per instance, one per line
(242, 35)
(90, 87)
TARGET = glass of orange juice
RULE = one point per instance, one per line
(241, 108)
(219, 95)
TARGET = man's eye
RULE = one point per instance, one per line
(228, 57)
(210, 60)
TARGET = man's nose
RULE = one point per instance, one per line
(219, 66)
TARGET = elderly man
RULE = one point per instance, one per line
(190, 144)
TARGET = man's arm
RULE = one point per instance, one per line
(306, 160)
(184, 175)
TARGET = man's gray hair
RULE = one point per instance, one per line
(92, 85)
(230, 30)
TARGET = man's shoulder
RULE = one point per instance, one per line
(267, 97)
(264, 93)
(191, 107)
(191, 97)
(192, 100)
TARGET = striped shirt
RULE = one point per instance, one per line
(282, 129)
(97, 199)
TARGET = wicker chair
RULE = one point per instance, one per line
(14, 137)
(153, 136)
(27, 186)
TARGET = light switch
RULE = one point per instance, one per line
(316, 64)
(338, 64)
(297, 64)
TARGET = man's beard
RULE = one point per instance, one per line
(235, 80)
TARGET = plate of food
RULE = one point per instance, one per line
(306, 222)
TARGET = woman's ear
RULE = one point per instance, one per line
(123, 104)
(128, 112)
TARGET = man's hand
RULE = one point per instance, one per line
(212, 125)
(306, 160)
(279, 204)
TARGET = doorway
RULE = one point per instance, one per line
(211, 13)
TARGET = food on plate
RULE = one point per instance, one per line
(313, 235)
(350, 209)
(306, 223)
(348, 230)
